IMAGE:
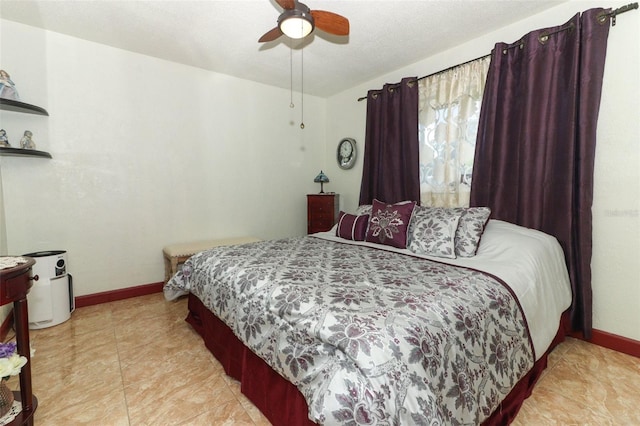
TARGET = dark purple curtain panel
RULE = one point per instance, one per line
(536, 140)
(391, 170)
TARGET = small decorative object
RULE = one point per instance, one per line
(6, 398)
(26, 142)
(322, 179)
(4, 140)
(10, 365)
(346, 153)
(10, 262)
(11, 362)
(7, 87)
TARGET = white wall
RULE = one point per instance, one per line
(146, 153)
(616, 208)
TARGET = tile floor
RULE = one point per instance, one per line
(136, 362)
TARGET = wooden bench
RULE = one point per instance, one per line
(176, 254)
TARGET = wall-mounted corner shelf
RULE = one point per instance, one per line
(19, 152)
(17, 106)
(12, 105)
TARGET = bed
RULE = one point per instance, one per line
(324, 329)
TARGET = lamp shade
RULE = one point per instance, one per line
(321, 178)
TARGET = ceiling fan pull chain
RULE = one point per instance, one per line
(291, 105)
(302, 88)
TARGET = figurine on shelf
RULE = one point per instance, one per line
(26, 142)
(4, 140)
(7, 87)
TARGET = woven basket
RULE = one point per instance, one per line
(6, 398)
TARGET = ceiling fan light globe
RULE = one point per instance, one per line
(296, 27)
(296, 23)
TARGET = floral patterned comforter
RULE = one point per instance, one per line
(368, 336)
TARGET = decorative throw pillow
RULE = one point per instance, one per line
(389, 223)
(433, 232)
(352, 227)
(470, 229)
(363, 209)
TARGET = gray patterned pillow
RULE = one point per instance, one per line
(363, 209)
(470, 229)
(433, 231)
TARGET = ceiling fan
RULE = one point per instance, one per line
(298, 21)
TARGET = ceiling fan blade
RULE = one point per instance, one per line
(330, 22)
(270, 35)
(286, 4)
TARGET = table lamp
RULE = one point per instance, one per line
(322, 179)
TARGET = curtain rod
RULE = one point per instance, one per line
(602, 16)
(618, 11)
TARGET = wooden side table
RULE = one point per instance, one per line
(322, 211)
(15, 282)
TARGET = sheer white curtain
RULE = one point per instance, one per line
(449, 109)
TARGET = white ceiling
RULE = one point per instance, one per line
(222, 35)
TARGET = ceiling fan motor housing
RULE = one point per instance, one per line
(301, 11)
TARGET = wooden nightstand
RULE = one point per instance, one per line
(15, 283)
(322, 211)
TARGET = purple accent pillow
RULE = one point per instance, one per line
(352, 227)
(389, 223)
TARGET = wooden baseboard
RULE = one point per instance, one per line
(120, 294)
(615, 342)
(610, 341)
(6, 326)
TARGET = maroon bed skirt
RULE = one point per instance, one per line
(280, 401)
